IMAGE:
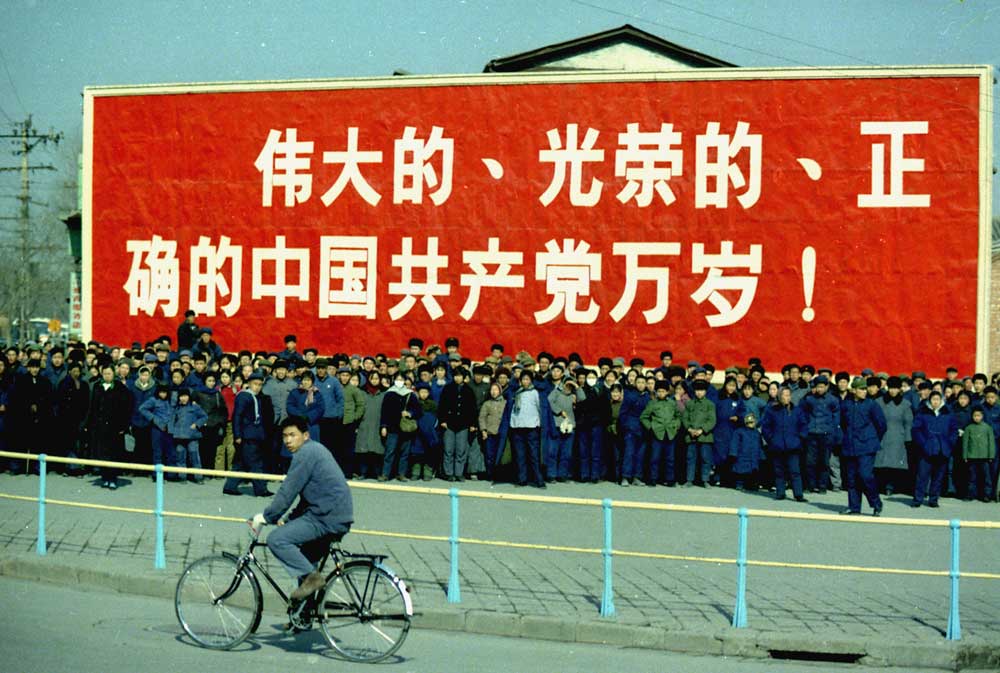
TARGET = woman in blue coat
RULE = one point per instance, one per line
(729, 411)
(306, 401)
(935, 433)
(783, 427)
(864, 425)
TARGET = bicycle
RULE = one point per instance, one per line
(363, 609)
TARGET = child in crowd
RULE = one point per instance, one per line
(426, 438)
(185, 429)
(699, 421)
(159, 411)
(746, 453)
(491, 416)
(662, 420)
(979, 449)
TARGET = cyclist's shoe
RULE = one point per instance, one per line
(311, 584)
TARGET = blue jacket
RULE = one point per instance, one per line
(864, 424)
(756, 406)
(633, 404)
(724, 428)
(935, 434)
(333, 397)
(783, 428)
(184, 416)
(140, 396)
(157, 412)
(746, 450)
(311, 412)
(822, 414)
(248, 423)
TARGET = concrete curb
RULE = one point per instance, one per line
(970, 653)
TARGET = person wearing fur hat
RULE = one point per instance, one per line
(891, 464)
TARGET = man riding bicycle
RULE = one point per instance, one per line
(324, 510)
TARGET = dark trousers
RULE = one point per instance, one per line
(301, 543)
(524, 443)
(558, 456)
(699, 451)
(211, 437)
(980, 479)
(633, 449)
(143, 445)
(786, 467)
(249, 458)
(493, 451)
(817, 460)
(661, 459)
(932, 469)
(397, 449)
(589, 442)
(859, 474)
(331, 434)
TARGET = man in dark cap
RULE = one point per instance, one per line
(822, 417)
(291, 355)
(864, 426)
(187, 331)
(206, 345)
(108, 420)
(415, 345)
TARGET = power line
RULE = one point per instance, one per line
(767, 32)
(636, 17)
(17, 96)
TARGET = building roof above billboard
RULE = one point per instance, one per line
(623, 48)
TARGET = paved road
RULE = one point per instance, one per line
(678, 595)
(69, 629)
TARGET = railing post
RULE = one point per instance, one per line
(454, 590)
(740, 612)
(954, 623)
(608, 597)
(160, 555)
(42, 546)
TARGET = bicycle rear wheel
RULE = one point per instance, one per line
(217, 603)
(364, 613)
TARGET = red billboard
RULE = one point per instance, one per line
(836, 217)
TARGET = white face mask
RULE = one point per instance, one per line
(399, 383)
(591, 381)
(486, 379)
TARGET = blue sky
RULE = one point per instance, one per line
(50, 50)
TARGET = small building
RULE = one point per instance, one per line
(625, 49)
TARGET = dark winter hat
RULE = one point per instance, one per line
(74, 364)
(322, 362)
(667, 354)
(419, 343)
(460, 371)
(545, 355)
(149, 357)
(822, 378)
(184, 352)
(575, 357)
(310, 350)
(162, 388)
(205, 330)
(990, 389)
(873, 381)
(662, 385)
(497, 347)
(482, 370)
(842, 376)
(925, 385)
(344, 369)
(526, 372)
(919, 375)
(558, 365)
(422, 385)
(278, 364)
(754, 361)
(256, 376)
(605, 362)
(951, 369)
(188, 313)
(451, 341)
(867, 372)
(636, 362)
(894, 382)
(700, 370)
(700, 384)
(858, 382)
(692, 363)
(290, 337)
(709, 367)
(809, 368)
(181, 392)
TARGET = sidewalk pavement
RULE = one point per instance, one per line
(684, 606)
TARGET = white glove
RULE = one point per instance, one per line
(259, 520)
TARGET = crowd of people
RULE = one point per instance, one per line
(528, 419)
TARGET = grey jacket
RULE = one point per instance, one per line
(317, 481)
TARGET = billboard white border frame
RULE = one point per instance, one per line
(983, 72)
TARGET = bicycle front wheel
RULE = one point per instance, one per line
(218, 603)
(364, 613)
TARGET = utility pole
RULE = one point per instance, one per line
(26, 139)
